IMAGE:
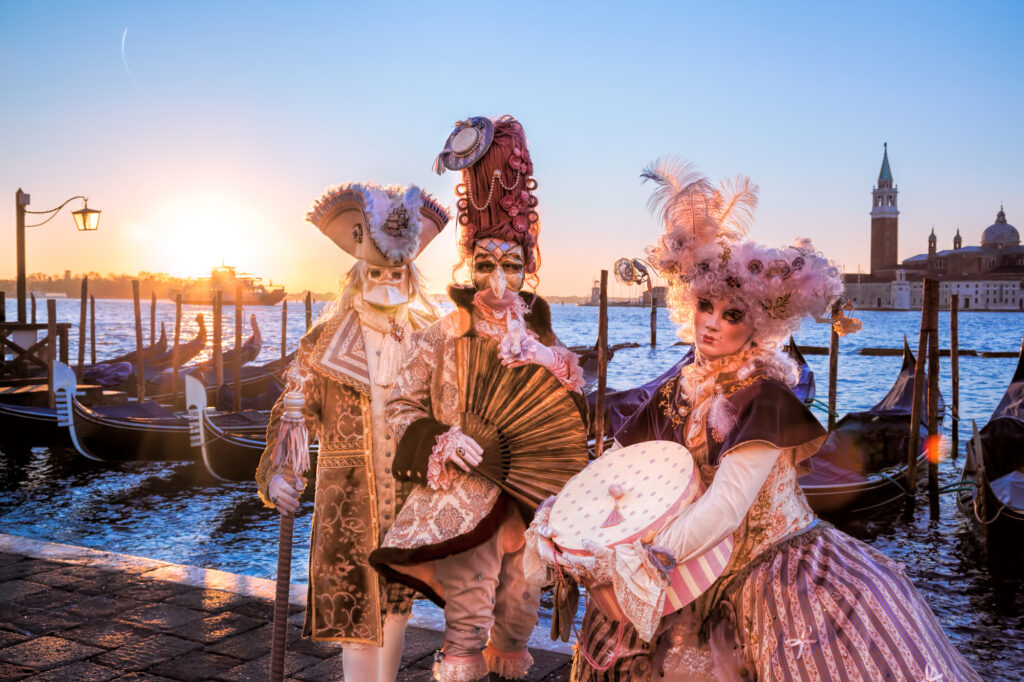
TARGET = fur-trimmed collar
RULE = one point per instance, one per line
(538, 319)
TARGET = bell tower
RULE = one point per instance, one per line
(884, 217)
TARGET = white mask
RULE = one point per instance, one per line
(386, 286)
(497, 283)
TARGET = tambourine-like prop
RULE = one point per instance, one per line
(630, 494)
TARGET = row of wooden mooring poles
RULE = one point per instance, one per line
(87, 319)
(927, 352)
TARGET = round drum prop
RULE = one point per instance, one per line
(632, 493)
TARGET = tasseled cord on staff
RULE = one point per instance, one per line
(291, 457)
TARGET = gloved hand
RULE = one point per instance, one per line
(284, 497)
(462, 450)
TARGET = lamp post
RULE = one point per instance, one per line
(638, 271)
(86, 220)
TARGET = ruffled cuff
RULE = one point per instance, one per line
(566, 368)
(448, 668)
(439, 474)
(539, 554)
(640, 587)
(513, 665)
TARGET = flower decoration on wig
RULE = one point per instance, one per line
(704, 252)
(496, 196)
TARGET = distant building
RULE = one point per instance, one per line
(660, 294)
(985, 277)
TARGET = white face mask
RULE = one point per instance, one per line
(386, 286)
(498, 283)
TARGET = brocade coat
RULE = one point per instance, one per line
(353, 503)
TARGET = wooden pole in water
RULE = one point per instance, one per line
(92, 328)
(33, 308)
(602, 365)
(83, 319)
(309, 310)
(152, 318)
(833, 369)
(51, 345)
(3, 306)
(176, 352)
(284, 335)
(954, 366)
(237, 364)
(140, 365)
(654, 319)
(933, 397)
(914, 448)
(218, 343)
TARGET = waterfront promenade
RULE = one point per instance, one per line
(72, 613)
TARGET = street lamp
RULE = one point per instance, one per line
(86, 220)
(638, 271)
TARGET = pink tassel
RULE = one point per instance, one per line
(614, 518)
(721, 417)
(292, 452)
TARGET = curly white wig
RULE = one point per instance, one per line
(704, 253)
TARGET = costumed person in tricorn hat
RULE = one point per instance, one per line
(350, 359)
(798, 599)
(459, 539)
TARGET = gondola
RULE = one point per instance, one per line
(230, 444)
(120, 374)
(186, 351)
(861, 467)
(145, 431)
(149, 352)
(620, 405)
(991, 493)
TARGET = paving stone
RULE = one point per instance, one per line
(152, 591)
(560, 675)
(213, 601)
(47, 598)
(307, 647)
(249, 645)
(108, 634)
(14, 672)
(145, 653)
(545, 663)
(324, 671)
(106, 585)
(82, 671)
(142, 677)
(58, 578)
(258, 670)
(39, 623)
(198, 665)
(420, 643)
(7, 638)
(412, 675)
(42, 565)
(8, 558)
(97, 606)
(14, 571)
(215, 628)
(12, 590)
(256, 608)
(44, 653)
(161, 616)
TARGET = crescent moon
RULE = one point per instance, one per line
(124, 59)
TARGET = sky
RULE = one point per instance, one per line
(204, 130)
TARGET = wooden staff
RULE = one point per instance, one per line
(152, 318)
(51, 344)
(237, 364)
(954, 366)
(176, 352)
(309, 310)
(92, 328)
(933, 397)
(218, 343)
(602, 365)
(33, 308)
(82, 320)
(914, 447)
(833, 368)
(140, 363)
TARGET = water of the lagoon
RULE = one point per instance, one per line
(158, 510)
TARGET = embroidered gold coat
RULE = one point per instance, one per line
(353, 503)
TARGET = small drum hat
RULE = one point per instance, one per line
(467, 143)
(630, 494)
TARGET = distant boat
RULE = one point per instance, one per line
(226, 280)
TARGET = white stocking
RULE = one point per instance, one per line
(391, 652)
(360, 662)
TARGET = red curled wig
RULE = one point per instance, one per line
(496, 196)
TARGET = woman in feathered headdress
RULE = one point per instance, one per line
(801, 599)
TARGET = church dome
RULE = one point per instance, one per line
(1000, 233)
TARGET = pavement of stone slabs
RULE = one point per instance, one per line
(64, 621)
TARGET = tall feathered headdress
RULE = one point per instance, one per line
(704, 252)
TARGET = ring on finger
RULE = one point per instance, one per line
(461, 452)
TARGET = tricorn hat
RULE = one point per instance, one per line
(385, 226)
